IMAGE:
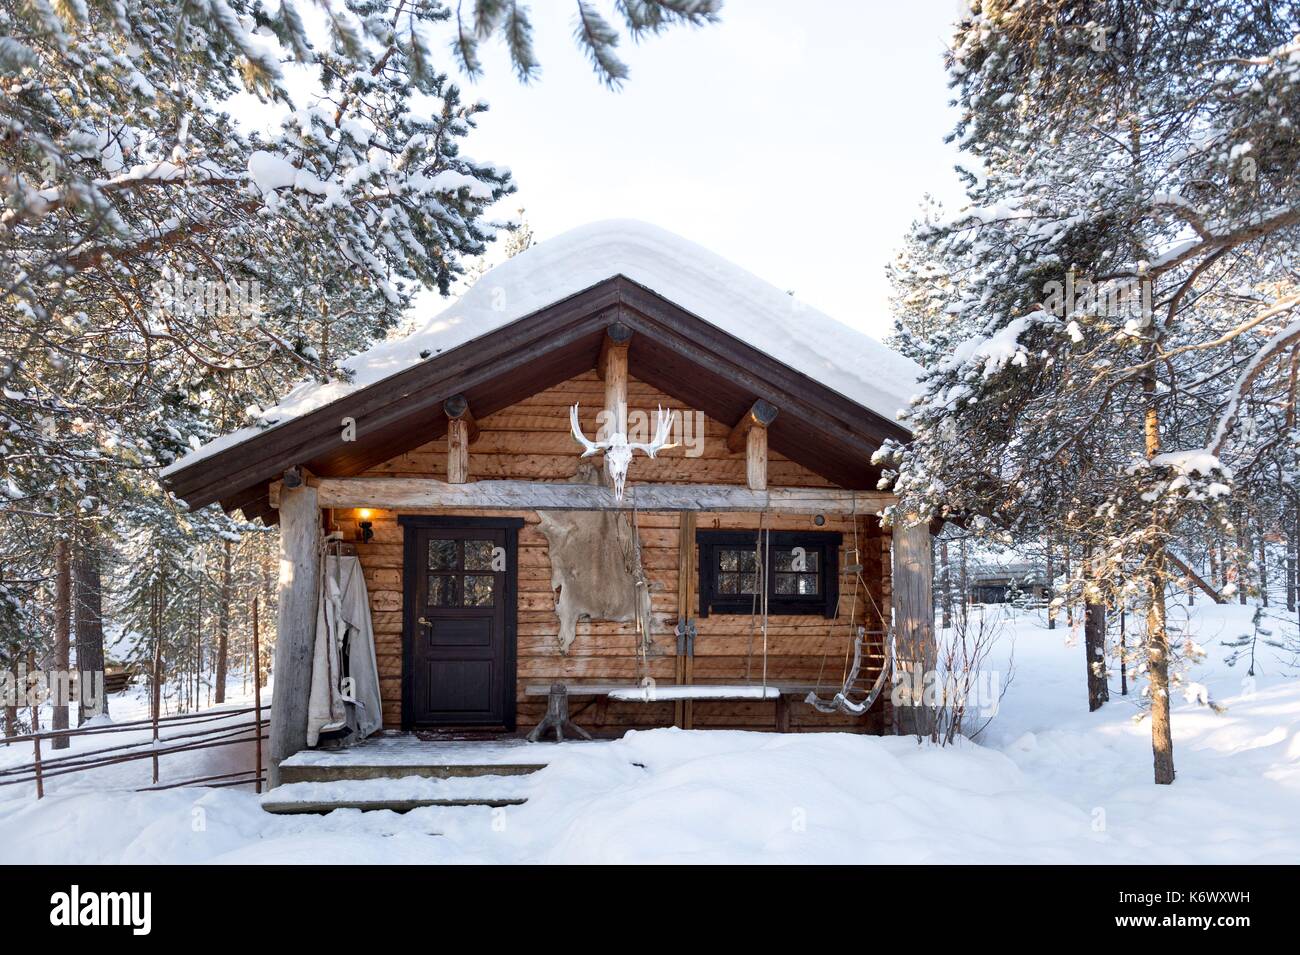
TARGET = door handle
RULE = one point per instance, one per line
(424, 622)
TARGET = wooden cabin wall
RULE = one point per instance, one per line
(531, 440)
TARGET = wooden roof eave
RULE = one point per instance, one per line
(675, 351)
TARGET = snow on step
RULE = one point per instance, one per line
(398, 795)
(396, 756)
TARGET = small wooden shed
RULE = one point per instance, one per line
(450, 460)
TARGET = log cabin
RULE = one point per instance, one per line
(741, 577)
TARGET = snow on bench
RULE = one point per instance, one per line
(657, 694)
(636, 693)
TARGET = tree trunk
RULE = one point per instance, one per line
(1094, 643)
(1123, 651)
(945, 584)
(1243, 556)
(1162, 741)
(1263, 568)
(964, 581)
(1051, 590)
(1289, 527)
(223, 620)
(62, 635)
(1069, 604)
(156, 677)
(90, 617)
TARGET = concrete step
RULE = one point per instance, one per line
(397, 756)
(396, 794)
(309, 773)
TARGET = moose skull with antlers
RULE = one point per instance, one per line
(618, 450)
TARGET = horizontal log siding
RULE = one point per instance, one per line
(531, 440)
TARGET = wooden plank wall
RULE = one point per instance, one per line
(531, 440)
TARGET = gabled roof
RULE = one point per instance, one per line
(705, 332)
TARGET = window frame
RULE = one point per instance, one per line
(826, 543)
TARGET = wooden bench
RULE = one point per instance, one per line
(558, 694)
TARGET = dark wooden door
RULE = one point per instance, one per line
(460, 612)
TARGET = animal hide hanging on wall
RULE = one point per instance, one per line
(596, 568)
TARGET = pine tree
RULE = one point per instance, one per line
(1126, 262)
(168, 271)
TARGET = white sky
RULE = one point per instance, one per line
(794, 138)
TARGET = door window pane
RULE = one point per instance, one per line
(478, 555)
(442, 555)
(442, 590)
(478, 589)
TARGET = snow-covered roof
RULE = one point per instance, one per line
(720, 292)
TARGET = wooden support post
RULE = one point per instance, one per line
(462, 429)
(683, 711)
(612, 367)
(36, 758)
(296, 632)
(257, 697)
(782, 714)
(913, 601)
(756, 458)
(750, 433)
(557, 717)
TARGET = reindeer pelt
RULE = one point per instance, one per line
(596, 568)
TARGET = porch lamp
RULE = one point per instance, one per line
(367, 528)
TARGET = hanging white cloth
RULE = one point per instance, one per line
(344, 673)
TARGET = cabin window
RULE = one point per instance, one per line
(802, 572)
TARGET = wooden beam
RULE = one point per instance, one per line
(457, 409)
(617, 335)
(396, 493)
(297, 477)
(756, 458)
(684, 710)
(295, 642)
(913, 599)
(760, 415)
(461, 430)
(612, 367)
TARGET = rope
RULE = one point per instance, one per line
(853, 649)
(643, 648)
(766, 577)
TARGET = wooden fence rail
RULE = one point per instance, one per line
(252, 730)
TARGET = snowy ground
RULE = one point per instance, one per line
(1048, 783)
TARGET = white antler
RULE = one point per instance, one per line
(592, 447)
(617, 449)
(663, 426)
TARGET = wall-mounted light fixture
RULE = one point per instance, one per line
(367, 527)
